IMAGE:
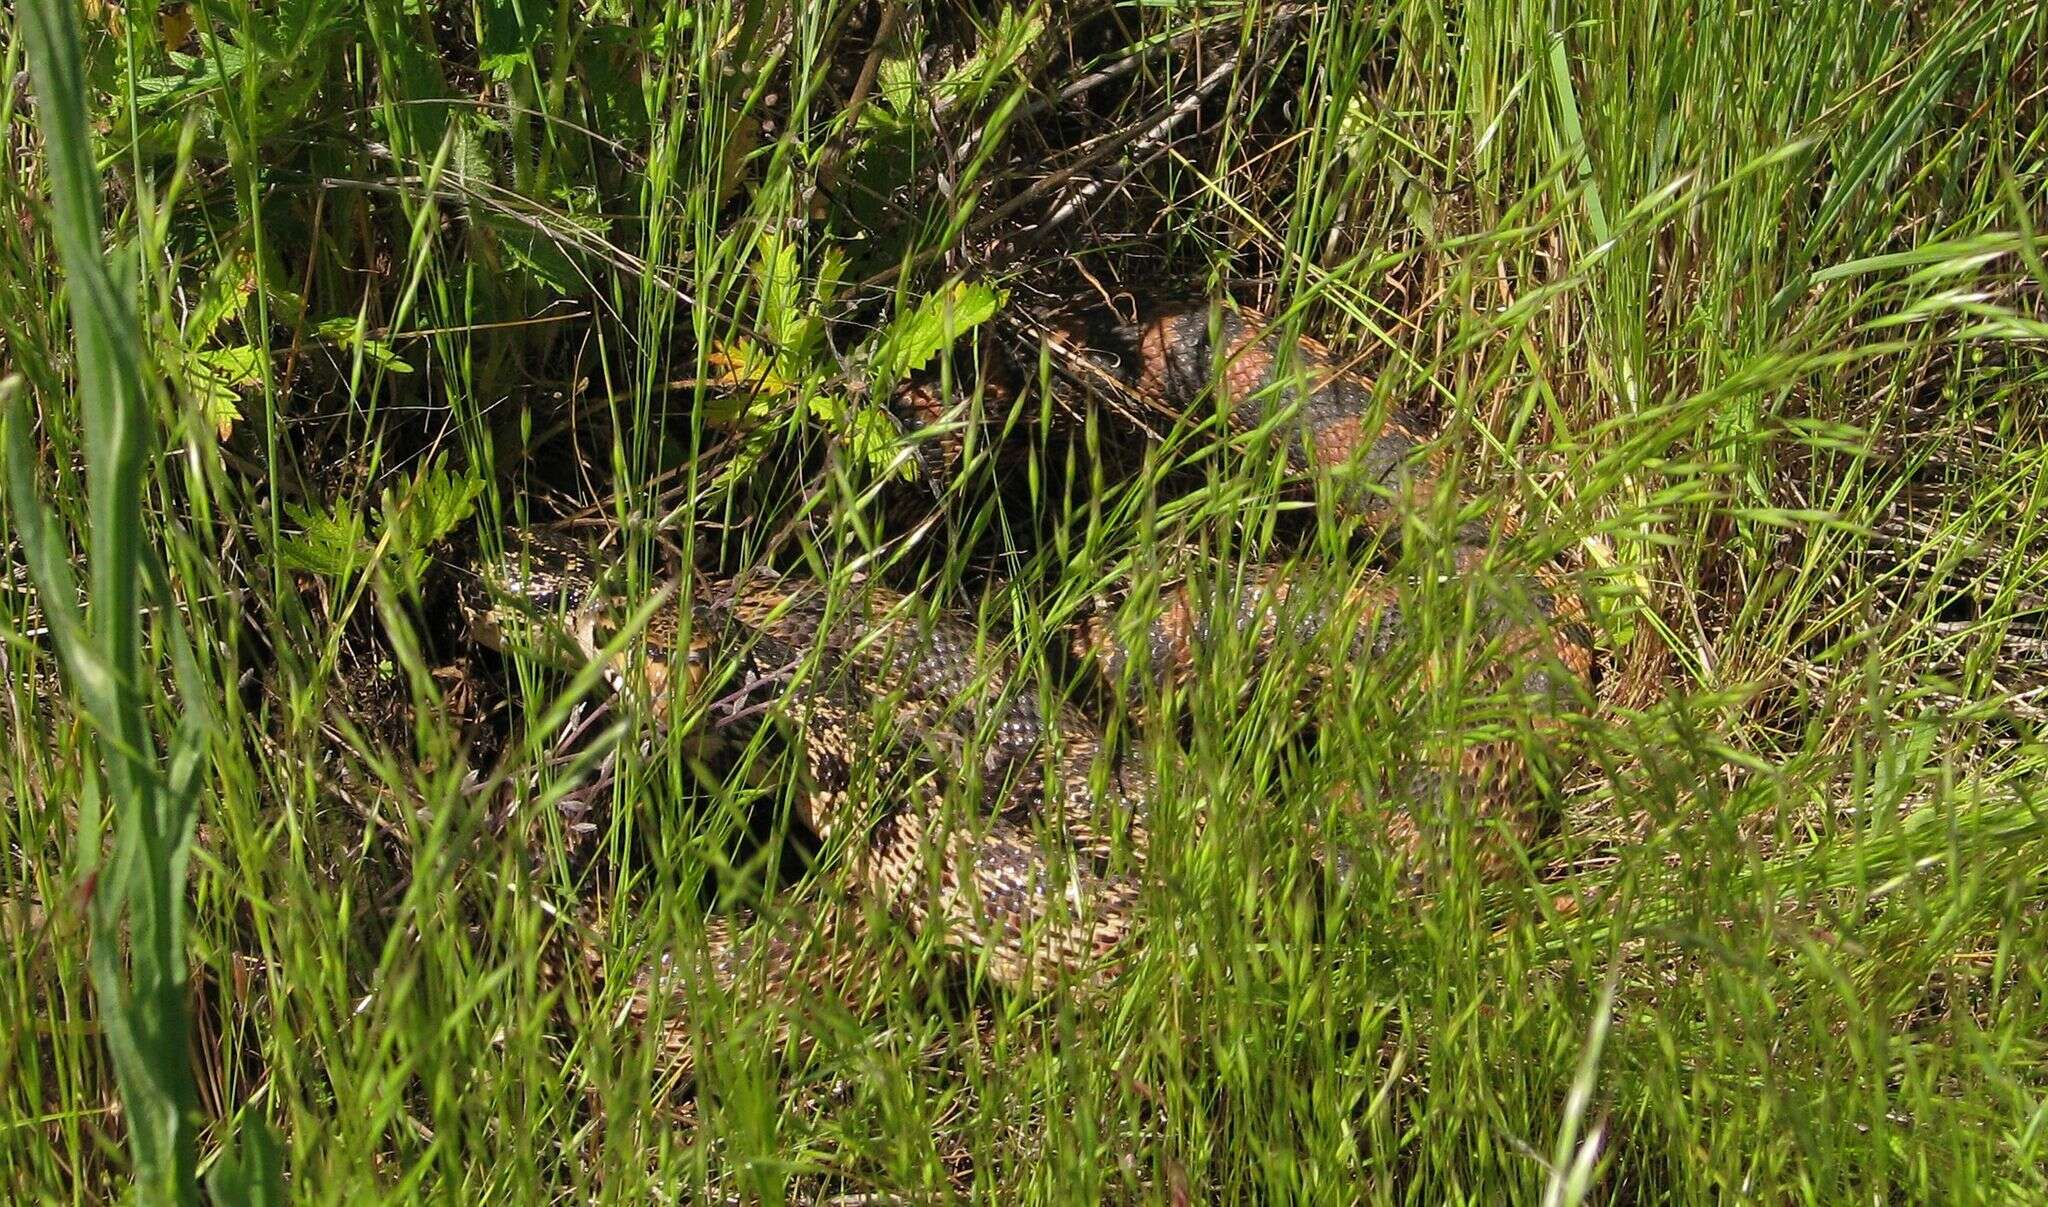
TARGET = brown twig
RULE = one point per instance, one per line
(849, 117)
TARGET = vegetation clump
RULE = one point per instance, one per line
(1738, 310)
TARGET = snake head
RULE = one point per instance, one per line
(540, 595)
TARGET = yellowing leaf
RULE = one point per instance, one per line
(106, 12)
(174, 24)
(224, 410)
(741, 365)
(215, 379)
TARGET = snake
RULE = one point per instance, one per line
(961, 799)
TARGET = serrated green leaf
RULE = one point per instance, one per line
(436, 503)
(549, 256)
(330, 541)
(502, 67)
(775, 283)
(873, 439)
(742, 365)
(973, 79)
(348, 333)
(227, 289)
(215, 378)
(899, 83)
(867, 434)
(913, 339)
(221, 295)
(831, 274)
(469, 161)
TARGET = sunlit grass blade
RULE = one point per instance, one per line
(137, 890)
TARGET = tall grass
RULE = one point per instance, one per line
(1740, 308)
(135, 890)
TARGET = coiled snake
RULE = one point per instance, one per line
(1040, 882)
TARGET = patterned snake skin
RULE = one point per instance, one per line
(1029, 855)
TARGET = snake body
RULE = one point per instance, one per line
(1030, 856)
(886, 684)
(874, 689)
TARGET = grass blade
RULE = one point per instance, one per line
(142, 1007)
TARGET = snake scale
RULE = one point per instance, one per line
(1039, 883)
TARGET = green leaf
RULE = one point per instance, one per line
(136, 958)
(868, 435)
(741, 365)
(49, 556)
(224, 293)
(546, 249)
(831, 275)
(1950, 256)
(330, 541)
(471, 164)
(436, 503)
(512, 31)
(502, 67)
(1574, 146)
(215, 379)
(1014, 33)
(913, 339)
(251, 1173)
(775, 282)
(349, 334)
(898, 83)
(217, 68)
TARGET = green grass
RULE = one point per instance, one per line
(1740, 307)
